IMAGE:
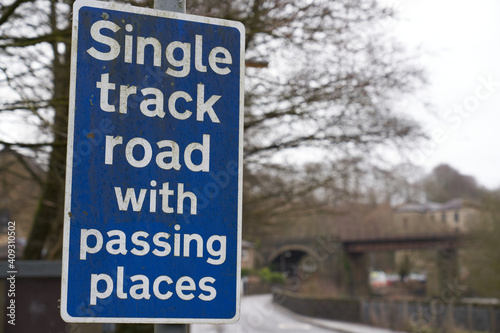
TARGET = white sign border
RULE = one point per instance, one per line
(69, 162)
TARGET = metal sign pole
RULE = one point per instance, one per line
(171, 328)
(178, 6)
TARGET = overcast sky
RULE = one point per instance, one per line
(460, 43)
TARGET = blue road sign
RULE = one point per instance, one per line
(154, 171)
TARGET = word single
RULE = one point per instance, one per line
(218, 55)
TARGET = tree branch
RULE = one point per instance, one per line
(10, 10)
(59, 36)
(33, 145)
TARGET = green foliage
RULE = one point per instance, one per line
(265, 273)
(404, 268)
(246, 271)
(269, 276)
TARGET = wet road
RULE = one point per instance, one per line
(259, 314)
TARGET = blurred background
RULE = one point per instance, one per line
(371, 183)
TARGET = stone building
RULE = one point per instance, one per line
(247, 255)
(457, 215)
(20, 188)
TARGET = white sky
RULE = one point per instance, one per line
(460, 41)
(460, 44)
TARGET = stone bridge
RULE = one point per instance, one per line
(344, 260)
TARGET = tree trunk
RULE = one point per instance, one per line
(46, 231)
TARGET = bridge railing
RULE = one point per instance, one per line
(437, 315)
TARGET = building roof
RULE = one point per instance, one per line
(431, 206)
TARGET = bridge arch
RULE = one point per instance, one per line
(288, 257)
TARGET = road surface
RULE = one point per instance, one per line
(259, 314)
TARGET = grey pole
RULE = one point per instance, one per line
(171, 328)
(178, 6)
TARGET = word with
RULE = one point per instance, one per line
(130, 198)
(117, 244)
(202, 106)
(218, 55)
(183, 286)
(166, 160)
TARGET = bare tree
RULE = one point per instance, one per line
(35, 44)
(319, 75)
(445, 183)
